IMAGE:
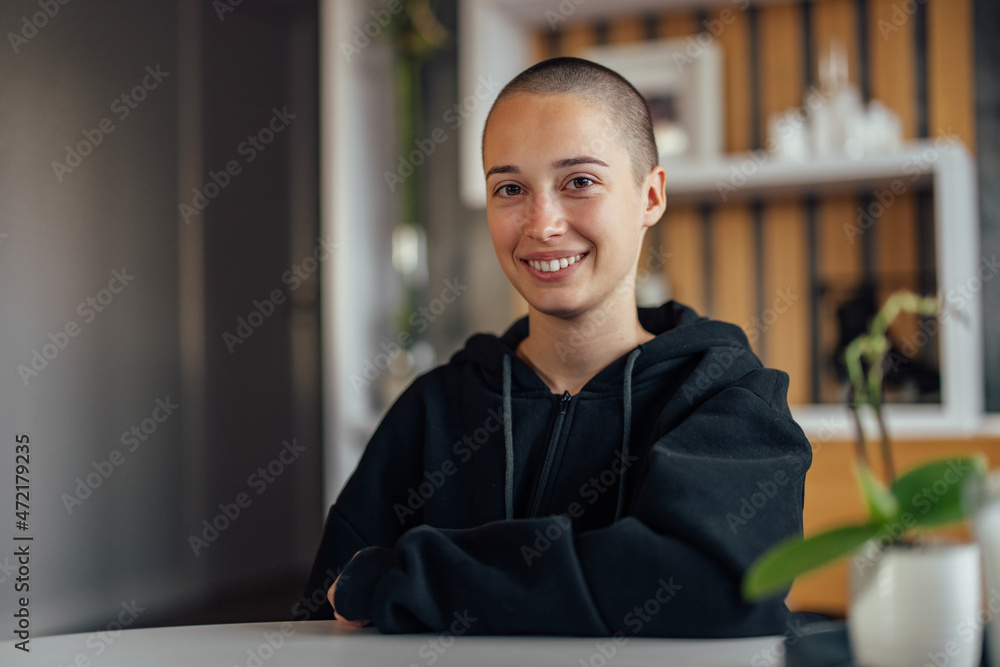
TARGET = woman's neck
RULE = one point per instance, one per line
(566, 354)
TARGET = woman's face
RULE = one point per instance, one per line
(565, 214)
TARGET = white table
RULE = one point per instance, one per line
(332, 644)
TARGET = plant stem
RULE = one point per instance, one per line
(860, 442)
(890, 471)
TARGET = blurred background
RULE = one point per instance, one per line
(232, 232)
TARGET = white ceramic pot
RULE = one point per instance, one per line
(916, 605)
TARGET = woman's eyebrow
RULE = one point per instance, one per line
(504, 169)
(573, 161)
(558, 164)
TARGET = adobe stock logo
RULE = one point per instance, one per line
(122, 106)
(248, 149)
(131, 440)
(88, 309)
(454, 115)
(223, 7)
(259, 481)
(363, 36)
(38, 20)
(263, 309)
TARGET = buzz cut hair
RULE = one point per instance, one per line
(597, 85)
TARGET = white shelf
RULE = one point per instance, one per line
(949, 169)
(759, 174)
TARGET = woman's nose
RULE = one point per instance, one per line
(544, 218)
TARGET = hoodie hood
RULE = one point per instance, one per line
(679, 332)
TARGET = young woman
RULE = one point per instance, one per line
(599, 468)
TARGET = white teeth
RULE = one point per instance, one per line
(554, 265)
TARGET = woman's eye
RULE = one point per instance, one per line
(580, 182)
(509, 190)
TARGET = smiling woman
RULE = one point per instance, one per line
(556, 193)
(625, 435)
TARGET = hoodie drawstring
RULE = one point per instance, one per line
(508, 434)
(508, 440)
(627, 428)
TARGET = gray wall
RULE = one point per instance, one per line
(160, 337)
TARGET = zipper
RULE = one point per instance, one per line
(550, 454)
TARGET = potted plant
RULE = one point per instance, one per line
(911, 597)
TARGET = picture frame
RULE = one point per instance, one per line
(681, 80)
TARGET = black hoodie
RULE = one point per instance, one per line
(486, 504)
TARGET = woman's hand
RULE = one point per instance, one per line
(329, 596)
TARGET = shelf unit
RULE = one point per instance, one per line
(757, 174)
(496, 40)
(947, 168)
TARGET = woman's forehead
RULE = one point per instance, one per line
(530, 125)
(550, 108)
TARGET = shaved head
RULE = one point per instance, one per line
(601, 87)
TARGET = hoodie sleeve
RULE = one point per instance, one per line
(715, 492)
(359, 518)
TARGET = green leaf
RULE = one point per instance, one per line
(882, 505)
(777, 568)
(931, 494)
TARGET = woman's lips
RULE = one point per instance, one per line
(554, 269)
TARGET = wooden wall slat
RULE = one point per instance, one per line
(734, 40)
(674, 25)
(897, 258)
(682, 239)
(893, 60)
(893, 82)
(835, 20)
(951, 100)
(786, 339)
(781, 75)
(577, 37)
(840, 259)
(539, 46)
(626, 30)
(734, 278)
(787, 335)
(839, 271)
(734, 284)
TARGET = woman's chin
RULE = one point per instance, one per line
(563, 306)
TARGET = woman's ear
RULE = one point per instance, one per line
(655, 195)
